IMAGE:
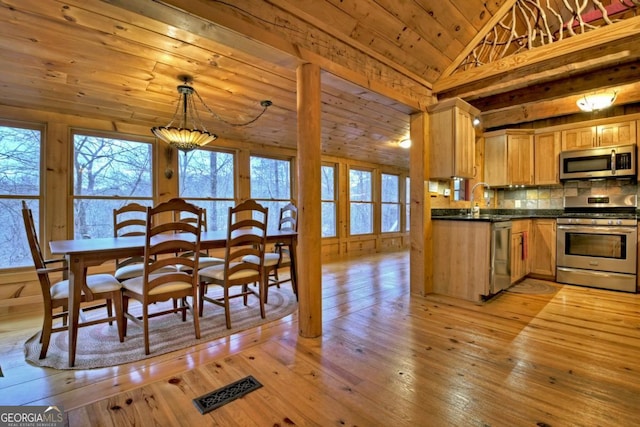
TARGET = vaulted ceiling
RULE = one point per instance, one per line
(119, 60)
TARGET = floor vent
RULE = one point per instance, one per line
(210, 401)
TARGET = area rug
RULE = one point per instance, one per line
(535, 286)
(98, 345)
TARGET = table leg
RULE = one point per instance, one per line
(77, 276)
(293, 270)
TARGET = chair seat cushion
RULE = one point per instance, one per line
(96, 282)
(270, 259)
(134, 270)
(136, 284)
(203, 262)
(217, 272)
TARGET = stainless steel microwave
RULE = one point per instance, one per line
(617, 161)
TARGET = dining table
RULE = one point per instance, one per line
(84, 253)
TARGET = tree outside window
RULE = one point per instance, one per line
(108, 173)
(207, 179)
(361, 202)
(328, 195)
(390, 203)
(271, 185)
(20, 153)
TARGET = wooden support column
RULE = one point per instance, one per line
(421, 252)
(309, 202)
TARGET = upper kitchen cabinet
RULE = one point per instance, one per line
(508, 158)
(452, 152)
(546, 151)
(599, 136)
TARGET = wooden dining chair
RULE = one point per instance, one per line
(246, 236)
(281, 256)
(129, 220)
(56, 294)
(205, 260)
(164, 242)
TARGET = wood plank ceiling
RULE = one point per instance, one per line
(382, 59)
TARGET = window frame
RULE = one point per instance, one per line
(199, 200)
(30, 199)
(333, 201)
(143, 200)
(371, 202)
(274, 216)
(396, 203)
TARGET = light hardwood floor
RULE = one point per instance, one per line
(568, 357)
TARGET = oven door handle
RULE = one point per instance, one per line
(599, 229)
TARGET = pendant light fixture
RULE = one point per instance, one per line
(596, 101)
(189, 132)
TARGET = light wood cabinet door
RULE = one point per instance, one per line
(453, 138)
(543, 250)
(517, 261)
(545, 158)
(520, 159)
(520, 248)
(495, 161)
(574, 139)
(508, 158)
(600, 136)
(617, 133)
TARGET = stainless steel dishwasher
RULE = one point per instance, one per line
(500, 256)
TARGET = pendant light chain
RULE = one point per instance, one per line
(265, 104)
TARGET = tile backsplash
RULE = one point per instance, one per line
(552, 197)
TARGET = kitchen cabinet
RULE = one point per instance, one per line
(461, 258)
(452, 151)
(620, 133)
(546, 148)
(543, 248)
(508, 158)
(520, 239)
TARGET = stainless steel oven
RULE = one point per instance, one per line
(597, 241)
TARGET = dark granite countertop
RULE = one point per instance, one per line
(494, 215)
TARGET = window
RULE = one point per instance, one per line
(360, 201)
(390, 203)
(107, 173)
(207, 180)
(459, 189)
(407, 206)
(271, 185)
(20, 149)
(328, 196)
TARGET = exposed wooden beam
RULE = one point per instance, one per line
(570, 84)
(531, 112)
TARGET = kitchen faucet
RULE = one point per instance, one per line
(472, 191)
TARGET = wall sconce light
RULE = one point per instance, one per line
(596, 101)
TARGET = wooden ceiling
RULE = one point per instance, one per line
(119, 60)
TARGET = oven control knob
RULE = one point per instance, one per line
(610, 222)
(619, 222)
(594, 221)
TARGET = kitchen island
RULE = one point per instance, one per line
(464, 261)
